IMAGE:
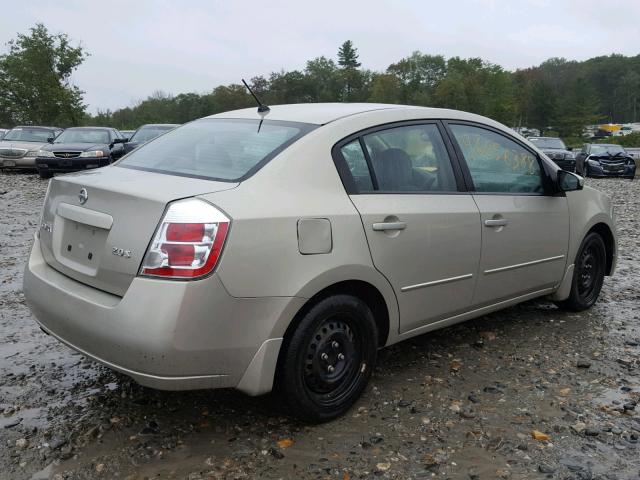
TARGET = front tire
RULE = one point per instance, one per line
(588, 274)
(328, 359)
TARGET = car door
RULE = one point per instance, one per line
(423, 229)
(525, 228)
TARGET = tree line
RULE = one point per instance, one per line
(558, 95)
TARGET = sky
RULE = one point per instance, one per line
(141, 46)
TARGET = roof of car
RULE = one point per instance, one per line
(158, 125)
(37, 126)
(92, 128)
(316, 113)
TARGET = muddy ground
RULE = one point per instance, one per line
(461, 403)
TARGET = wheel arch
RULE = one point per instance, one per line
(606, 234)
(363, 290)
(366, 291)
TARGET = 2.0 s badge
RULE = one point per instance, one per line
(121, 252)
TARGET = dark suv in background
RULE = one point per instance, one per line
(602, 160)
(146, 133)
(80, 148)
(556, 150)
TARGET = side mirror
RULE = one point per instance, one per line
(568, 182)
(570, 149)
(119, 140)
(50, 139)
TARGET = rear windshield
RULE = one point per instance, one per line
(217, 149)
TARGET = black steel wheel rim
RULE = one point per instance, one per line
(333, 359)
(590, 271)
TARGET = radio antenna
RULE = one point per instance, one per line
(262, 108)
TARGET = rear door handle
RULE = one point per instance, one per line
(497, 222)
(381, 227)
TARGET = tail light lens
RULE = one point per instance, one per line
(188, 241)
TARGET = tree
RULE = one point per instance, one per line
(385, 88)
(543, 106)
(35, 80)
(231, 97)
(289, 87)
(348, 56)
(576, 108)
(419, 75)
(351, 76)
(563, 94)
(323, 78)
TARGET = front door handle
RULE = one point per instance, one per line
(381, 227)
(496, 222)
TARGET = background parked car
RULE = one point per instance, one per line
(605, 160)
(146, 133)
(20, 145)
(80, 148)
(556, 150)
(3, 131)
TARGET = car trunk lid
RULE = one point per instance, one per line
(96, 225)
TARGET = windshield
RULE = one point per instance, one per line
(27, 134)
(606, 149)
(148, 133)
(83, 135)
(548, 143)
(216, 149)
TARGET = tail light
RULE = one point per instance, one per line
(188, 241)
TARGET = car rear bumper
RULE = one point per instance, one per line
(24, 162)
(70, 164)
(164, 334)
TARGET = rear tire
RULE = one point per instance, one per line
(588, 274)
(45, 175)
(327, 360)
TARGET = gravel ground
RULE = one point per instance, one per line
(529, 392)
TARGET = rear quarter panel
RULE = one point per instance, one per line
(262, 257)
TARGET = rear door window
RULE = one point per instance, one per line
(357, 164)
(216, 149)
(410, 158)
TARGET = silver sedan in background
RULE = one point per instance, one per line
(21, 145)
(280, 249)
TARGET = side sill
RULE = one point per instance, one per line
(473, 314)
